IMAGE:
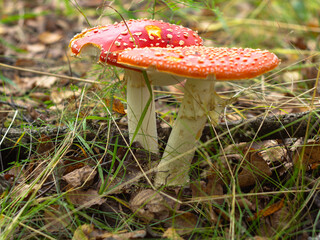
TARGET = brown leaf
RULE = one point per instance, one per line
(272, 224)
(212, 188)
(149, 205)
(83, 232)
(256, 168)
(117, 105)
(78, 177)
(36, 48)
(54, 221)
(24, 191)
(272, 151)
(269, 210)
(85, 198)
(45, 81)
(88, 231)
(59, 96)
(49, 37)
(171, 234)
(308, 155)
(138, 234)
(183, 222)
(39, 96)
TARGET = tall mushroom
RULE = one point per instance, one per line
(202, 67)
(106, 40)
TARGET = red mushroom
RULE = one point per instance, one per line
(107, 40)
(202, 66)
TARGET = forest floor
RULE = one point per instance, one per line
(69, 173)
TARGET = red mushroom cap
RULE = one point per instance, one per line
(142, 33)
(200, 62)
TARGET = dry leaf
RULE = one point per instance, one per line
(85, 198)
(36, 48)
(53, 217)
(171, 234)
(272, 151)
(117, 105)
(88, 231)
(212, 188)
(183, 222)
(271, 225)
(45, 81)
(138, 234)
(150, 205)
(83, 232)
(81, 176)
(59, 96)
(256, 168)
(269, 210)
(39, 96)
(308, 155)
(49, 38)
(24, 191)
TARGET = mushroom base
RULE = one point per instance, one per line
(138, 96)
(199, 100)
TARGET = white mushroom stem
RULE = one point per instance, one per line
(199, 101)
(138, 96)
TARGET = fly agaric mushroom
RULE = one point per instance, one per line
(106, 40)
(201, 66)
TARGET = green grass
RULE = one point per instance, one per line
(91, 141)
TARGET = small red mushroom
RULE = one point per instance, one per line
(202, 66)
(108, 41)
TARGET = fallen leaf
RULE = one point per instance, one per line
(268, 211)
(40, 96)
(83, 232)
(271, 225)
(88, 231)
(52, 217)
(183, 222)
(171, 234)
(85, 198)
(308, 154)
(36, 48)
(24, 191)
(45, 81)
(45, 144)
(50, 37)
(59, 96)
(273, 151)
(150, 205)
(138, 234)
(255, 168)
(117, 105)
(81, 176)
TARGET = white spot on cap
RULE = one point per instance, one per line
(169, 30)
(137, 33)
(124, 32)
(117, 43)
(181, 43)
(169, 36)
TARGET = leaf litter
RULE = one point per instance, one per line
(100, 178)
